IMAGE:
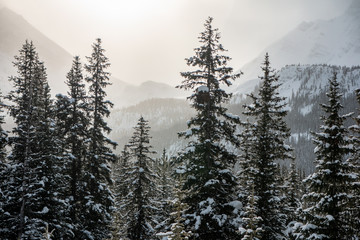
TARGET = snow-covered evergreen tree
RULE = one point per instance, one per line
(3, 166)
(34, 177)
(248, 170)
(291, 200)
(208, 162)
(251, 229)
(269, 132)
(165, 185)
(329, 187)
(97, 172)
(73, 123)
(177, 228)
(120, 189)
(3, 135)
(140, 204)
(354, 161)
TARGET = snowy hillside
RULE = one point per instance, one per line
(309, 81)
(335, 42)
(304, 86)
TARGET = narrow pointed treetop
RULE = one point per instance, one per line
(206, 160)
(327, 200)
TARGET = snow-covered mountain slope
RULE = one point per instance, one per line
(335, 42)
(14, 30)
(305, 87)
(310, 81)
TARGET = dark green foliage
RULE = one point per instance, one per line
(354, 162)
(97, 173)
(140, 203)
(269, 133)
(34, 178)
(207, 161)
(73, 122)
(3, 135)
(3, 166)
(327, 198)
(120, 189)
(165, 185)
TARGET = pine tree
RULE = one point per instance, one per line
(208, 162)
(51, 172)
(251, 229)
(73, 122)
(177, 228)
(33, 176)
(141, 204)
(291, 201)
(3, 135)
(163, 168)
(354, 162)
(292, 192)
(326, 215)
(97, 172)
(120, 189)
(3, 166)
(268, 145)
(248, 171)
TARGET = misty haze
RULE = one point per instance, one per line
(156, 119)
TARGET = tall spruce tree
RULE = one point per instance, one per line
(208, 162)
(97, 172)
(251, 229)
(3, 135)
(164, 169)
(33, 183)
(3, 166)
(270, 133)
(120, 189)
(73, 122)
(291, 200)
(327, 197)
(247, 164)
(354, 162)
(140, 203)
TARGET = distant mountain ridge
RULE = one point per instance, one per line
(14, 30)
(124, 94)
(304, 87)
(334, 42)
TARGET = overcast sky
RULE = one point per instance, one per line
(149, 39)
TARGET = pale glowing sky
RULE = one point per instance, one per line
(149, 39)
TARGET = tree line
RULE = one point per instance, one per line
(60, 174)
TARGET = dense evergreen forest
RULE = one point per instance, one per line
(60, 177)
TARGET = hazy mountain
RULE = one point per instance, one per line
(124, 94)
(304, 86)
(166, 116)
(14, 30)
(335, 42)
